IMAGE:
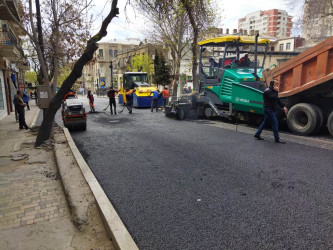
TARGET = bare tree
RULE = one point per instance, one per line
(178, 25)
(201, 15)
(314, 18)
(45, 130)
(169, 26)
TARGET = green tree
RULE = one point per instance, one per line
(142, 63)
(30, 76)
(161, 70)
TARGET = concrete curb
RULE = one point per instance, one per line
(114, 226)
(34, 119)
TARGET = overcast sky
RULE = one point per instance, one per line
(231, 11)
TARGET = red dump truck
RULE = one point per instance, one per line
(306, 84)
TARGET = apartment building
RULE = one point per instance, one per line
(97, 73)
(275, 23)
(13, 62)
(125, 56)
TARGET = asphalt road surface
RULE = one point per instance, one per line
(186, 185)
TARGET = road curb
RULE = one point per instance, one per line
(114, 226)
(34, 119)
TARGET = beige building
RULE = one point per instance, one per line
(125, 56)
(97, 74)
(13, 62)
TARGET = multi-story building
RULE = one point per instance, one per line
(275, 23)
(13, 63)
(125, 56)
(97, 74)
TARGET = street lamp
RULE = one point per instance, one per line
(111, 67)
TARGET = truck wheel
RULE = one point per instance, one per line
(303, 119)
(180, 114)
(321, 117)
(330, 123)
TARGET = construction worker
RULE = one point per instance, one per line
(112, 99)
(244, 61)
(129, 99)
(154, 101)
(166, 94)
(90, 96)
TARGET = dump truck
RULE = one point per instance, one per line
(306, 86)
(139, 81)
(233, 90)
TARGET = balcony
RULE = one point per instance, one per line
(8, 46)
(12, 5)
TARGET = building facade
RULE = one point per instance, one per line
(125, 56)
(275, 23)
(13, 62)
(97, 73)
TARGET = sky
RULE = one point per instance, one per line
(133, 26)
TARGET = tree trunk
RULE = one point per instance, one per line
(189, 11)
(178, 55)
(44, 132)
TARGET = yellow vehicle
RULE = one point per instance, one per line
(138, 81)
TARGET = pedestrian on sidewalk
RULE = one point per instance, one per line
(19, 106)
(26, 99)
(154, 101)
(271, 105)
(129, 99)
(165, 94)
(112, 99)
(90, 96)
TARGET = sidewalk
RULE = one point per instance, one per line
(34, 212)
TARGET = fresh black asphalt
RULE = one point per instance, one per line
(185, 185)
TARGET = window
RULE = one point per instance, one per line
(101, 71)
(281, 46)
(115, 53)
(101, 53)
(111, 53)
(288, 46)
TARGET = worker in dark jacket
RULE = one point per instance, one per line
(271, 105)
(19, 106)
(112, 99)
(129, 99)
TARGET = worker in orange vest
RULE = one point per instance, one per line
(166, 94)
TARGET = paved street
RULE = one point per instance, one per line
(190, 185)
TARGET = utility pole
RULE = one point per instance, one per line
(111, 67)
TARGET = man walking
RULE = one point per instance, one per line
(154, 101)
(271, 105)
(112, 99)
(19, 106)
(166, 94)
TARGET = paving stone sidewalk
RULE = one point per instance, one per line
(34, 213)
